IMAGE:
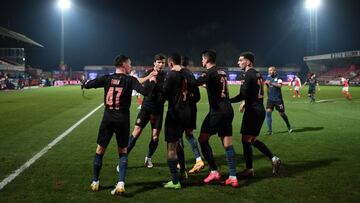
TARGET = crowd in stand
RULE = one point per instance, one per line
(19, 81)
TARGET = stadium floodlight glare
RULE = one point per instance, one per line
(312, 4)
(64, 4)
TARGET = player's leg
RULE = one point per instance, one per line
(346, 93)
(172, 140)
(280, 107)
(122, 130)
(294, 92)
(199, 164)
(231, 161)
(181, 158)
(156, 124)
(104, 136)
(207, 129)
(254, 132)
(140, 123)
(269, 109)
(248, 156)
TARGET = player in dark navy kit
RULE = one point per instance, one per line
(252, 92)
(275, 100)
(218, 120)
(152, 110)
(117, 100)
(313, 83)
(194, 98)
(178, 86)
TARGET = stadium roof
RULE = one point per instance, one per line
(321, 63)
(12, 39)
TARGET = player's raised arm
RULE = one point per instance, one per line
(95, 83)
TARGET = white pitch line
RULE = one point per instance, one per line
(27, 164)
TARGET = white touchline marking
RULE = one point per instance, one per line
(27, 164)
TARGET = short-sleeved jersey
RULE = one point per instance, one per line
(312, 83)
(345, 82)
(274, 92)
(155, 100)
(217, 89)
(251, 90)
(117, 91)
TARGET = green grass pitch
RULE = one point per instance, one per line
(320, 158)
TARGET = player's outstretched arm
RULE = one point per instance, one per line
(95, 83)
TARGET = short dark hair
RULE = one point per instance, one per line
(119, 60)
(175, 58)
(248, 55)
(184, 61)
(210, 55)
(159, 56)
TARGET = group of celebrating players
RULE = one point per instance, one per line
(181, 90)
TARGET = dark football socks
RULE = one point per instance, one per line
(263, 148)
(269, 121)
(97, 166)
(152, 147)
(230, 158)
(194, 146)
(131, 143)
(173, 170)
(248, 154)
(123, 160)
(208, 155)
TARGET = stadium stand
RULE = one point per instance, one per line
(330, 67)
(12, 59)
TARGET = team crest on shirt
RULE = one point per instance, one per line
(138, 121)
(115, 81)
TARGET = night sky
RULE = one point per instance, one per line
(97, 30)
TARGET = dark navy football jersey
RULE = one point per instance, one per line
(274, 92)
(117, 90)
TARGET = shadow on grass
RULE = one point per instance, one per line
(288, 169)
(304, 129)
(156, 165)
(143, 187)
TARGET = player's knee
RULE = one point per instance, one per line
(227, 141)
(203, 137)
(248, 139)
(122, 150)
(268, 110)
(137, 131)
(172, 150)
(100, 149)
(155, 137)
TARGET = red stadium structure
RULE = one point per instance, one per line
(330, 67)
